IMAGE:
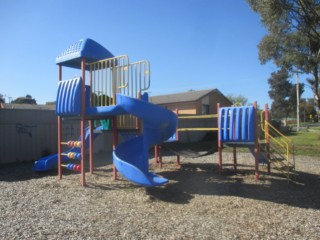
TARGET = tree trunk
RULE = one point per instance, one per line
(315, 87)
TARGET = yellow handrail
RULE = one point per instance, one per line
(198, 116)
(197, 129)
(283, 143)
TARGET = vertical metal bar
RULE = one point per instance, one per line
(59, 122)
(256, 142)
(91, 85)
(220, 144)
(177, 138)
(267, 136)
(90, 130)
(114, 142)
(91, 146)
(156, 155)
(83, 116)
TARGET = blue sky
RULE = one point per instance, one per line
(191, 44)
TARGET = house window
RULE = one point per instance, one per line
(205, 109)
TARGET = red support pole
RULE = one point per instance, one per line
(59, 121)
(91, 133)
(156, 154)
(256, 142)
(83, 118)
(91, 146)
(115, 141)
(160, 155)
(220, 144)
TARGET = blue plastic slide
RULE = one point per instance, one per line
(131, 156)
(51, 162)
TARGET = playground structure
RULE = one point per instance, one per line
(112, 88)
(114, 91)
(239, 127)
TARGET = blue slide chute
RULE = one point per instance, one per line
(51, 162)
(131, 156)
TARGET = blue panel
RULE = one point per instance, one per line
(84, 48)
(251, 130)
(244, 124)
(236, 124)
(221, 121)
(226, 125)
(68, 102)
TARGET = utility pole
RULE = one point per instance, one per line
(298, 103)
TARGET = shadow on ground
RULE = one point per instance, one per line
(199, 179)
(203, 179)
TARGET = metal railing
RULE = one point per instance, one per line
(107, 78)
(278, 148)
(206, 116)
(117, 75)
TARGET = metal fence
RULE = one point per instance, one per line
(28, 134)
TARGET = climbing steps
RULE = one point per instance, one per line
(277, 149)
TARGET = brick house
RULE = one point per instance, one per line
(193, 102)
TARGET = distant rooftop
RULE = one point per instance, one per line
(84, 48)
(190, 96)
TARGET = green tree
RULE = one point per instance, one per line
(238, 100)
(307, 109)
(101, 100)
(293, 36)
(25, 100)
(283, 94)
(2, 98)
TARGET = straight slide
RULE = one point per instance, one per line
(51, 162)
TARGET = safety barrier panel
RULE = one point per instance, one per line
(68, 97)
(117, 75)
(236, 124)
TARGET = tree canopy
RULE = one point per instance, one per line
(2, 98)
(26, 100)
(283, 94)
(292, 42)
(238, 100)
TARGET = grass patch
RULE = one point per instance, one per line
(306, 143)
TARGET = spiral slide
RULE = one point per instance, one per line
(51, 162)
(131, 156)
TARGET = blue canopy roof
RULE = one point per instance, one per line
(87, 48)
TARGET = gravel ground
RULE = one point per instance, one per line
(198, 203)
